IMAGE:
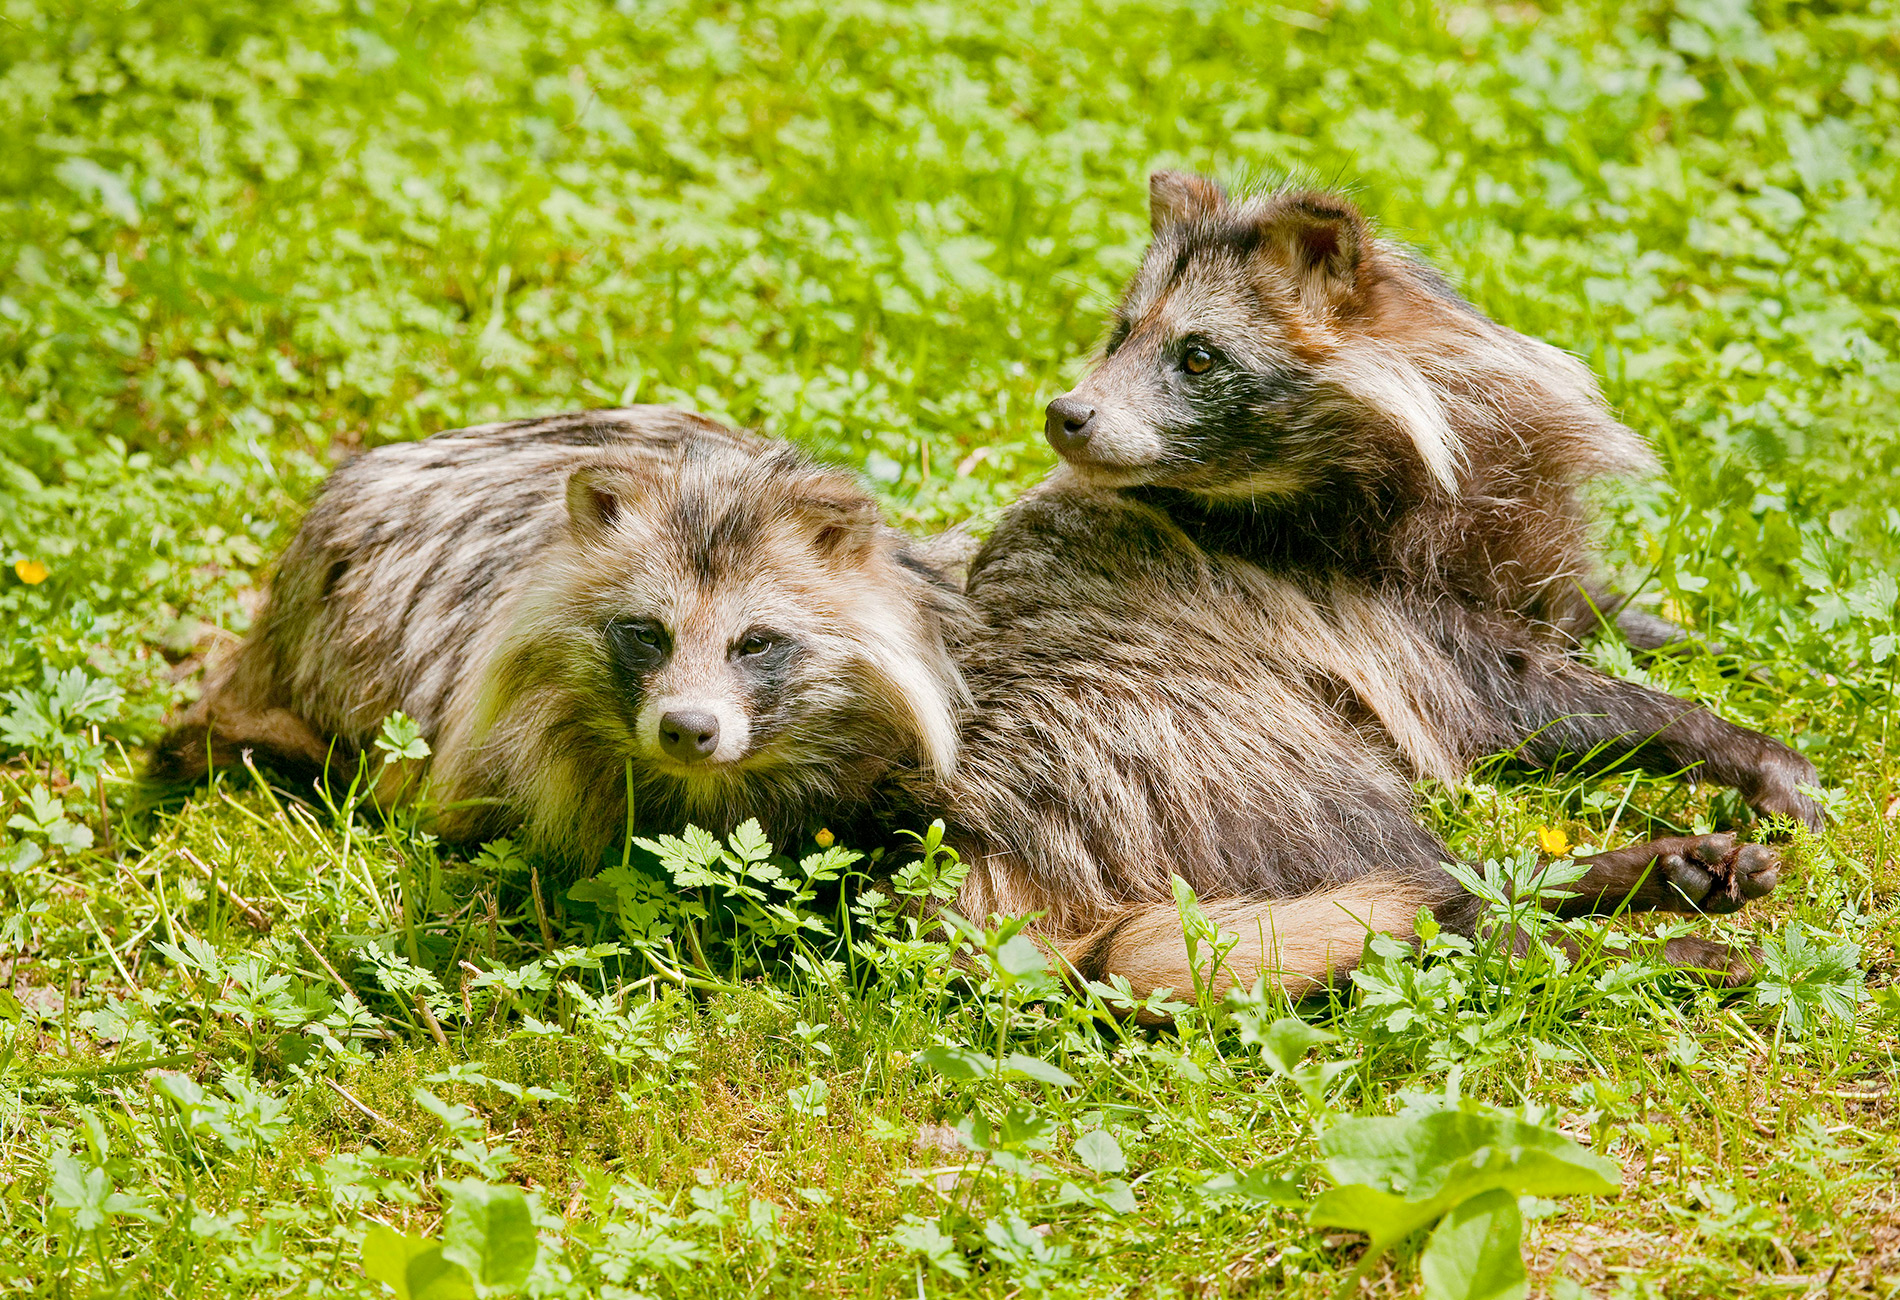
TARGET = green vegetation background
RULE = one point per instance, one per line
(239, 241)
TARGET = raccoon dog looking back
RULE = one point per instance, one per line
(551, 598)
(1317, 533)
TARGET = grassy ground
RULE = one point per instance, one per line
(243, 1038)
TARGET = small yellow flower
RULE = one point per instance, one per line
(1553, 840)
(825, 839)
(31, 572)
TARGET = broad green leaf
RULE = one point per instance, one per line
(1098, 1150)
(401, 738)
(1195, 927)
(1383, 1217)
(433, 1275)
(21, 857)
(1809, 975)
(413, 1267)
(923, 1237)
(1315, 1080)
(596, 890)
(1420, 1157)
(79, 1189)
(1285, 1041)
(749, 842)
(386, 1256)
(1021, 955)
(809, 1098)
(958, 1063)
(1021, 1128)
(1030, 1067)
(1397, 1175)
(1256, 1185)
(1475, 1253)
(181, 1088)
(490, 1232)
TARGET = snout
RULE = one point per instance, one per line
(689, 735)
(1070, 425)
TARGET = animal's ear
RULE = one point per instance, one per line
(1175, 198)
(1322, 238)
(843, 521)
(598, 498)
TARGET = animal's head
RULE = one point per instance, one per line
(1270, 345)
(735, 623)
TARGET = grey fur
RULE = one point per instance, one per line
(471, 580)
(1263, 595)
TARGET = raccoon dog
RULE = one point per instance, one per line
(551, 599)
(1317, 533)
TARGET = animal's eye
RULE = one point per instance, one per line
(641, 640)
(755, 645)
(1197, 361)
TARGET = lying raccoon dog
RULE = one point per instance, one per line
(552, 598)
(1317, 533)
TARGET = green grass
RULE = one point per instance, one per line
(239, 241)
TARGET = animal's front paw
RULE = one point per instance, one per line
(1712, 873)
(1777, 792)
(1718, 963)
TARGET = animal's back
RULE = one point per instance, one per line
(1145, 707)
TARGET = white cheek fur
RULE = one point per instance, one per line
(1126, 445)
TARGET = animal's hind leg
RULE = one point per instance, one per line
(1712, 960)
(1693, 873)
(274, 737)
(1299, 944)
(1555, 709)
(235, 715)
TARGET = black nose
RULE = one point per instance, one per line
(688, 735)
(1070, 425)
